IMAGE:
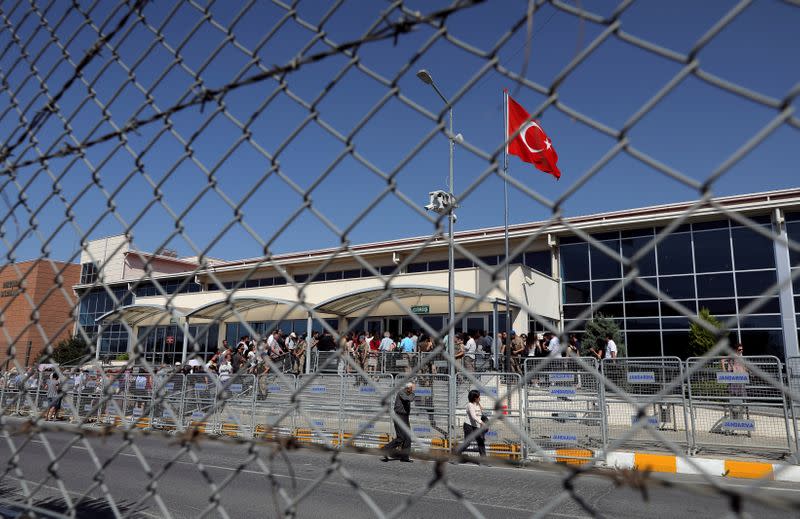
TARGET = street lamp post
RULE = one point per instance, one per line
(426, 78)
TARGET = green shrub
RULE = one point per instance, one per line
(69, 351)
(597, 328)
(700, 339)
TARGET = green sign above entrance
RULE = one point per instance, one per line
(421, 309)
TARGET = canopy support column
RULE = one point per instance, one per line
(185, 341)
(97, 344)
(309, 326)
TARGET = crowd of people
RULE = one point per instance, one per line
(525, 346)
(286, 352)
(473, 351)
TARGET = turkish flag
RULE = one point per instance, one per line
(531, 144)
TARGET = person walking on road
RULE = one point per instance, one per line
(402, 410)
(54, 397)
(472, 422)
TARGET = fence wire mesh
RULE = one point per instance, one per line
(110, 108)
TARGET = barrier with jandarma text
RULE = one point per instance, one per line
(738, 401)
(793, 383)
(647, 390)
(574, 407)
(502, 402)
(564, 406)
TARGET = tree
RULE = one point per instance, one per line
(597, 328)
(700, 339)
(69, 351)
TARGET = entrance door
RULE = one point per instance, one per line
(374, 326)
(475, 323)
(393, 326)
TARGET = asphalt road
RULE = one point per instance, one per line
(251, 483)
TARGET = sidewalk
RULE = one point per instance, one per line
(672, 464)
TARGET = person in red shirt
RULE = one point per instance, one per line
(372, 354)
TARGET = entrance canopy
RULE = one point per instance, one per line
(435, 297)
(252, 308)
(134, 315)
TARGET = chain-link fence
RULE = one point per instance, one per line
(259, 129)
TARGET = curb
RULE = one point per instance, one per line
(671, 464)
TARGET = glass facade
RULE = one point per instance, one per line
(718, 265)
(97, 302)
(470, 324)
(88, 273)
(164, 344)
(235, 331)
(538, 260)
(793, 231)
(168, 286)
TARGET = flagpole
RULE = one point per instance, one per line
(507, 359)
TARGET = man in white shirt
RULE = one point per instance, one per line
(225, 371)
(252, 359)
(554, 346)
(470, 348)
(611, 347)
(273, 346)
(387, 344)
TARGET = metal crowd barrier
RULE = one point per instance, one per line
(734, 405)
(793, 383)
(273, 412)
(564, 409)
(434, 363)
(325, 361)
(502, 400)
(363, 423)
(431, 421)
(199, 399)
(235, 405)
(29, 394)
(647, 390)
(320, 403)
(397, 362)
(575, 409)
(137, 411)
(169, 390)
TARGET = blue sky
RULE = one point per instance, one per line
(693, 130)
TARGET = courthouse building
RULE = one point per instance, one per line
(709, 260)
(36, 303)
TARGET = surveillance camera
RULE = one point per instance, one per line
(439, 202)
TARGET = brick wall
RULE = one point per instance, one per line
(30, 293)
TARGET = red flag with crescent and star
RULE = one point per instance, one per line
(531, 143)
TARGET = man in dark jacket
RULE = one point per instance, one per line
(402, 409)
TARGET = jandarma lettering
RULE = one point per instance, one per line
(731, 424)
(733, 377)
